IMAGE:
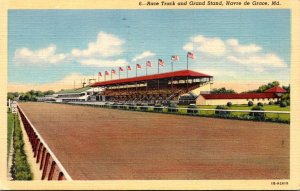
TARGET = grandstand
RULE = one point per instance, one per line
(77, 95)
(152, 89)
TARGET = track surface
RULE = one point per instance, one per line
(97, 144)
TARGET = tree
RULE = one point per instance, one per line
(263, 88)
(49, 92)
(12, 95)
(222, 91)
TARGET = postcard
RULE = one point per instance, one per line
(150, 95)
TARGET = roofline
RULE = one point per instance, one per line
(154, 76)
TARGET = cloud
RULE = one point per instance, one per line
(145, 54)
(243, 49)
(101, 53)
(210, 46)
(231, 52)
(66, 83)
(106, 45)
(42, 56)
(259, 62)
(103, 63)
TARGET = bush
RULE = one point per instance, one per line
(250, 103)
(229, 104)
(192, 109)
(271, 103)
(260, 104)
(20, 169)
(222, 113)
(132, 107)
(172, 108)
(144, 107)
(283, 104)
(158, 108)
(257, 115)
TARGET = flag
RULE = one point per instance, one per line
(128, 68)
(190, 55)
(121, 69)
(161, 62)
(148, 64)
(100, 74)
(175, 58)
(106, 72)
(138, 66)
(113, 71)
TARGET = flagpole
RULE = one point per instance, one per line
(105, 76)
(187, 62)
(111, 74)
(119, 73)
(158, 66)
(127, 72)
(146, 70)
(135, 70)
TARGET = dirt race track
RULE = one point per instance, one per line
(97, 144)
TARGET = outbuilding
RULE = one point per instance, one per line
(272, 94)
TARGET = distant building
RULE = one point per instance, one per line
(47, 98)
(272, 94)
(73, 95)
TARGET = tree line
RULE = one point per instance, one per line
(28, 96)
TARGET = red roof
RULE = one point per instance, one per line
(276, 90)
(240, 96)
(182, 73)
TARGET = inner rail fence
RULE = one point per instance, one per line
(254, 115)
(50, 166)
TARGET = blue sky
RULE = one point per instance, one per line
(48, 46)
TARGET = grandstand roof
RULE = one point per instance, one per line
(181, 73)
(78, 90)
(276, 90)
(240, 96)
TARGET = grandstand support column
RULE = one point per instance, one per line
(158, 85)
(187, 84)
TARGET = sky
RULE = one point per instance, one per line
(49, 49)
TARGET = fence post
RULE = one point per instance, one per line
(53, 164)
(39, 153)
(42, 160)
(37, 142)
(60, 176)
(45, 166)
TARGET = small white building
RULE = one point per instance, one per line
(78, 95)
(272, 94)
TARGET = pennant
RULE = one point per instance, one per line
(100, 74)
(128, 67)
(190, 55)
(106, 72)
(121, 69)
(138, 66)
(113, 71)
(175, 58)
(161, 62)
(148, 64)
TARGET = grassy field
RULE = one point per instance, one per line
(21, 169)
(10, 124)
(246, 107)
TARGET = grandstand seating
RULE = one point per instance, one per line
(153, 89)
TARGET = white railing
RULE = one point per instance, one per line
(182, 108)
